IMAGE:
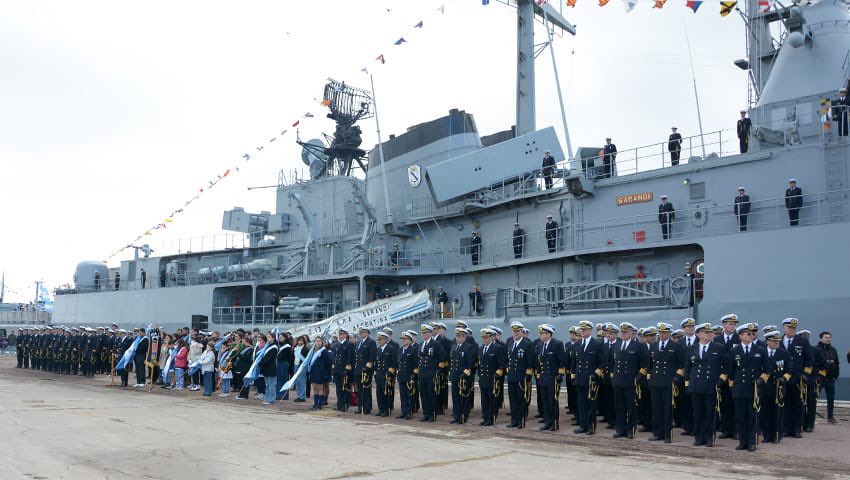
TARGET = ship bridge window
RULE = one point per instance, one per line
(697, 190)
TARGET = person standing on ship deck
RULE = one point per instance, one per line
(666, 214)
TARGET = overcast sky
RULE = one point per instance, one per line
(112, 114)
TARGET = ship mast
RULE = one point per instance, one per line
(526, 11)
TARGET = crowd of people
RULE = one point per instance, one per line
(732, 379)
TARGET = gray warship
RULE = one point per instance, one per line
(364, 224)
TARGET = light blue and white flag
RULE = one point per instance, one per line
(253, 372)
(194, 367)
(302, 370)
(127, 358)
(169, 364)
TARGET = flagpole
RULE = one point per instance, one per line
(389, 214)
(560, 95)
(696, 94)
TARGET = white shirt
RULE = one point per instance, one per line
(691, 341)
(703, 349)
(625, 345)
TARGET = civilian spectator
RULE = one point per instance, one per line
(829, 373)
(320, 372)
(208, 367)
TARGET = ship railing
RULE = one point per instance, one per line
(25, 317)
(265, 315)
(635, 231)
(657, 155)
(619, 295)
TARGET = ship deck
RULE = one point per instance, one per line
(79, 428)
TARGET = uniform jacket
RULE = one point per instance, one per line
(742, 204)
(365, 353)
(587, 361)
(702, 373)
(386, 361)
(492, 363)
(627, 362)
(727, 345)
(408, 360)
(745, 369)
(343, 356)
(779, 369)
(320, 368)
(431, 353)
(462, 361)
(551, 361)
(518, 236)
(610, 151)
(802, 357)
(666, 212)
(794, 197)
(674, 143)
(744, 125)
(551, 230)
(830, 360)
(446, 344)
(520, 359)
(664, 364)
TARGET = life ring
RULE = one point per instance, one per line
(699, 217)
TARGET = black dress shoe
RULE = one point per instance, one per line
(808, 429)
(541, 421)
(359, 411)
(645, 429)
(618, 435)
(400, 417)
(589, 432)
(545, 427)
(580, 430)
(709, 443)
(698, 443)
(488, 423)
(511, 425)
(424, 419)
(454, 421)
(668, 440)
(538, 416)
(654, 438)
(740, 447)
(688, 433)
(797, 435)
(725, 435)
(432, 419)
(630, 435)
(752, 448)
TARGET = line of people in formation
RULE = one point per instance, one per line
(704, 379)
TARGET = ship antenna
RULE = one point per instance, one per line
(389, 221)
(696, 93)
(558, 88)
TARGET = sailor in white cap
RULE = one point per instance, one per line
(341, 371)
(705, 369)
(587, 372)
(666, 215)
(520, 368)
(743, 128)
(779, 368)
(793, 201)
(674, 146)
(802, 363)
(365, 354)
(442, 390)
(742, 208)
(748, 371)
(408, 362)
(475, 247)
(668, 366)
(431, 355)
(548, 168)
(492, 359)
(551, 234)
(550, 369)
(518, 240)
(840, 111)
(386, 366)
(628, 360)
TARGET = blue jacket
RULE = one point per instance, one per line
(626, 364)
(587, 361)
(320, 368)
(702, 373)
(745, 369)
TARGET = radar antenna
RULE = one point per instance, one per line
(347, 105)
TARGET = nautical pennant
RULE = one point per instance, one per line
(485, 2)
(602, 3)
(400, 41)
(571, 3)
(629, 5)
(694, 5)
(418, 25)
(764, 5)
(380, 58)
(442, 9)
(727, 7)
(296, 123)
(659, 4)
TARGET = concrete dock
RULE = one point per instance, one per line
(60, 427)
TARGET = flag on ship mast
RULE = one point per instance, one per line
(694, 5)
(727, 7)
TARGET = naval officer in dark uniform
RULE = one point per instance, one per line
(365, 354)
(609, 152)
(748, 371)
(408, 364)
(431, 354)
(802, 362)
(518, 372)
(343, 364)
(629, 359)
(674, 146)
(773, 392)
(386, 366)
(840, 111)
(461, 363)
(744, 126)
(666, 215)
(549, 370)
(705, 370)
(667, 365)
(518, 240)
(727, 339)
(586, 371)
(492, 360)
(793, 201)
(442, 385)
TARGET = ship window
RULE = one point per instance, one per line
(697, 190)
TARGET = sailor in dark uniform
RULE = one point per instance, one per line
(431, 355)
(470, 339)
(667, 367)
(793, 201)
(802, 362)
(343, 365)
(551, 234)
(743, 127)
(475, 248)
(138, 360)
(666, 215)
(742, 208)
(518, 240)
(392, 345)
(606, 390)
(813, 380)
(728, 339)
(548, 168)
(408, 363)
(442, 385)
(628, 360)
(365, 354)
(497, 338)
(492, 360)
(748, 371)
(773, 398)
(683, 405)
(462, 360)
(608, 160)
(550, 369)
(705, 370)
(586, 371)
(518, 372)
(569, 350)
(386, 366)
(841, 112)
(674, 146)
(126, 342)
(19, 352)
